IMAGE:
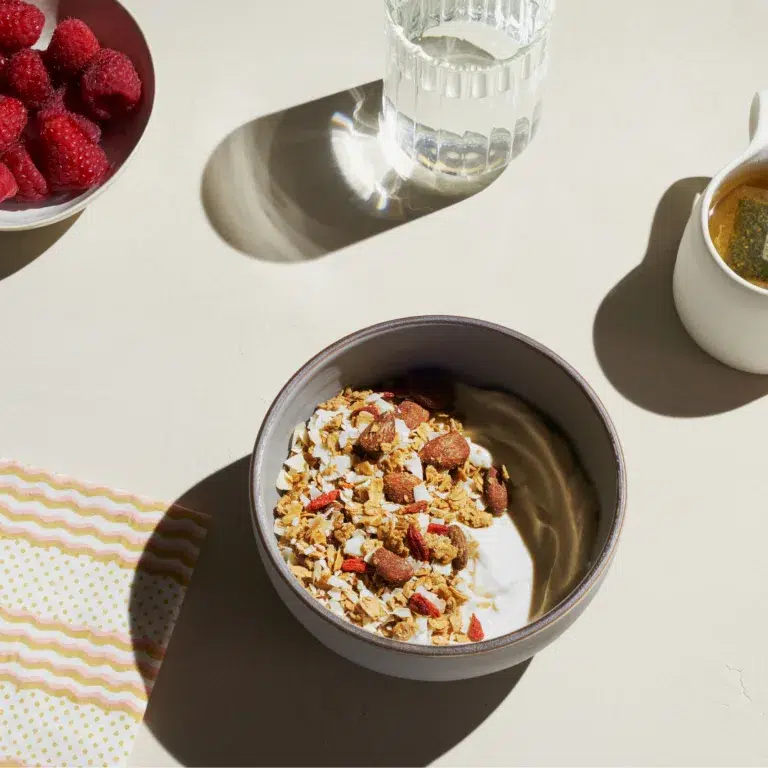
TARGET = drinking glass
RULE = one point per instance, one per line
(463, 82)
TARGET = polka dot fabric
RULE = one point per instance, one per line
(91, 584)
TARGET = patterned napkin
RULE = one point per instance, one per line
(91, 584)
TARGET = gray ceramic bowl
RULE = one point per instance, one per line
(478, 353)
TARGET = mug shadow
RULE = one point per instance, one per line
(640, 342)
(312, 179)
(244, 683)
(19, 249)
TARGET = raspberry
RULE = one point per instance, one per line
(73, 46)
(8, 186)
(3, 67)
(56, 106)
(13, 118)
(71, 161)
(20, 25)
(32, 184)
(110, 86)
(29, 78)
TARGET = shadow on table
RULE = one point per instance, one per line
(18, 249)
(309, 180)
(244, 683)
(641, 343)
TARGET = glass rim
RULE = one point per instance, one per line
(441, 63)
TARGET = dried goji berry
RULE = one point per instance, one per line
(323, 500)
(387, 395)
(419, 604)
(354, 565)
(416, 544)
(414, 509)
(475, 632)
(440, 530)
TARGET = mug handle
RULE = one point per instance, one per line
(758, 120)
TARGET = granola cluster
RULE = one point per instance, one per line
(380, 496)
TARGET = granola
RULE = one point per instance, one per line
(380, 496)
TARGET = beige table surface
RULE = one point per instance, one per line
(142, 350)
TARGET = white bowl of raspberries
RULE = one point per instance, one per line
(76, 94)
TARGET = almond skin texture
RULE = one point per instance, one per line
(398, 487)
(459, 540)
(496, 494)
(446, 452)
(412, 414)
(378, 432)
(391, 567)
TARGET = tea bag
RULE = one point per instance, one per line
(748, 247)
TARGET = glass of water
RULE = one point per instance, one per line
(463, 82)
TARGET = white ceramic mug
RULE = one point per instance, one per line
(725, 315)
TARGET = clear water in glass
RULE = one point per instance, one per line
(463, 81)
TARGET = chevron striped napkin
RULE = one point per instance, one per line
(91, 584)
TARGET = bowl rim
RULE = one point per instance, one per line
(584, 587)
(92, 194)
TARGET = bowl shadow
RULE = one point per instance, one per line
(312, 179)
(19, 249)
(640, 342)
(243, 683)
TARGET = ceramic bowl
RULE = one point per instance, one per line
(478, 353)
(115, 28)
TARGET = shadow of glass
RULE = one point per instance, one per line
(243, 683)
(18, 249)
(640, 342)
(309, 180)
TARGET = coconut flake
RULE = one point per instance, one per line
(403, 613)
(314, 492)
(354, 546)
(322, 453)
(347, 435)
(401, 428)
(279, 528)
(340, 464)
(288, 555)
(300, 436)
(336, 607)
(479, 456)
(297, 463)
(414, 466)
(389, 506)
(283, 483)
(380, 403)
(423, 519)
(420, 493)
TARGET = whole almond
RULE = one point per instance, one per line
(381, 430)
(412, 414)
(391, 567)
(459, 540)
(446, 452)
(398, 487)
(431, 389)
(496, 494)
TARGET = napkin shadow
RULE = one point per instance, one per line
(640, 342)
(243, 683)
(306, 181)
(19, 249)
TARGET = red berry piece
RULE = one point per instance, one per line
(13, 118)
(8, 185)
(70, 160)
(110, 87)
(20, 25)
(3, 68)
(32, 184)
(29, 79)
(56, 106)
(73, 47)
